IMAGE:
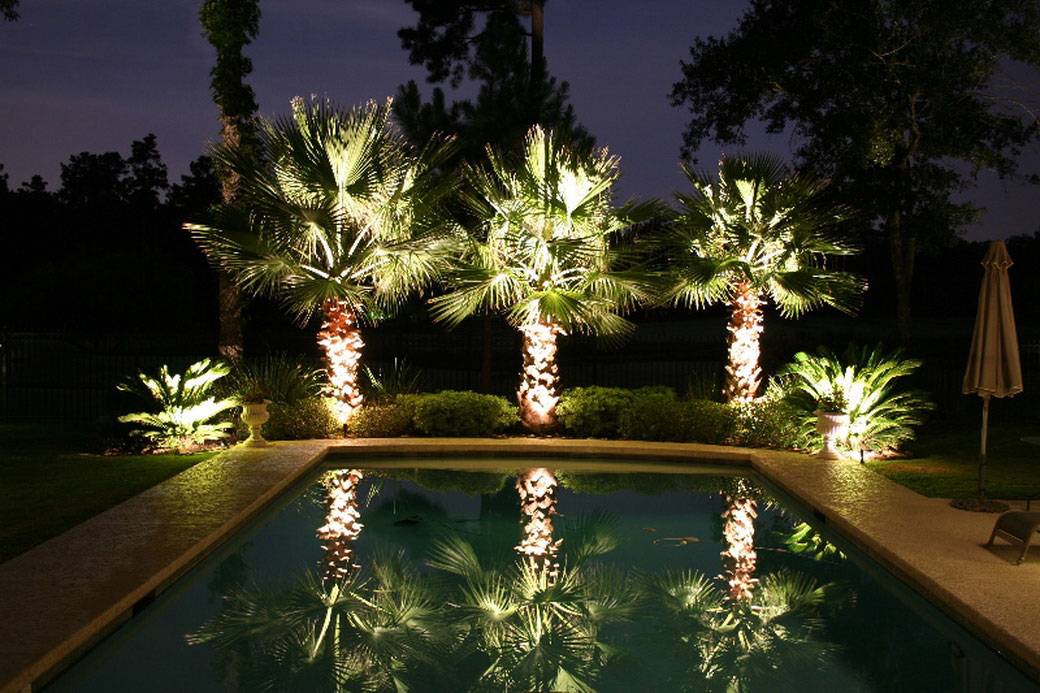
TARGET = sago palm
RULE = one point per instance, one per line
(881, 416)
(337, 213)
(543, 251)
(752, 234)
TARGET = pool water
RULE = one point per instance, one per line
(530, 575)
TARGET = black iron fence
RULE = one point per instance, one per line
(63, 376)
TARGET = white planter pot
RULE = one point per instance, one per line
(255, 415)
(830, 425)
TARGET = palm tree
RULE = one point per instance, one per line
(542, 252)
(336, 211)
(754, 234)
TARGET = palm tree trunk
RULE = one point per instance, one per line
(743, 373)
(537, 489)
(539, 377)
(342, 524)
(341, 341)
(229, 298)
(739, 558)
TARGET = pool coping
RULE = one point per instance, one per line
(128, 554)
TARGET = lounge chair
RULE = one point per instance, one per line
(1018, 527)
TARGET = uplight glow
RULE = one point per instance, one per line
(341, 341)
(743, 374)
(538, 393)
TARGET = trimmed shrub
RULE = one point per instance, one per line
(769, 422)
(461, 413)
(311, 417)
(391, 420)
(595, 412)
(658, 417)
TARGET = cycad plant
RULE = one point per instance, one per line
(543, 251)
(336, 213)
(753, 234)
(185, 406)
(881, 416)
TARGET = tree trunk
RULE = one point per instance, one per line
(341, 341)
(342, 524)
(743, 373)
(903, 251)
(539, 378)
(739, 558)
(537, 489)
(230, 343)
(537, 59)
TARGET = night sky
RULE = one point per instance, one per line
(91, 75)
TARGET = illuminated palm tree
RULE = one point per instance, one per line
(336, 212)
(543, 251)
(753, 234)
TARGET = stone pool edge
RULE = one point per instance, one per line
(55, 617)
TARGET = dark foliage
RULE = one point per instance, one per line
(894, 102)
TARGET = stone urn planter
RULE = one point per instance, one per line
(830, 425)
(255, 415)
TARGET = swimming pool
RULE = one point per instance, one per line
(536, 574)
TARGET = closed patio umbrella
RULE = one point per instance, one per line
(993, 365)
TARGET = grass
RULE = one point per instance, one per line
(50, 485)
(945, 461)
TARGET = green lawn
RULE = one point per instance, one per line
(48, 484)
(945, 461)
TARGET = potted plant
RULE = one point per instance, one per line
(254, 413)
(831, 419)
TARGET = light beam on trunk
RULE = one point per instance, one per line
(341, 341)
(539, 377)
(743, 374)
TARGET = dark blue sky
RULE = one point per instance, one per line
(91, 75)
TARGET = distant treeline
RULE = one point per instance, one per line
(105, 252)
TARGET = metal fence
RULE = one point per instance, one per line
(48, 376)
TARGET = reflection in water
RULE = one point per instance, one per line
(537, 489)
(342, 523)
(739, 557)
(548, 617)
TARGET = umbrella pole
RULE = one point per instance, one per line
(982, 447)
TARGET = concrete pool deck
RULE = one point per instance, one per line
(63, 596)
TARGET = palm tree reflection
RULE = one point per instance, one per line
(342, 523)
(537, 489)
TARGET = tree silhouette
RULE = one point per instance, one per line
(230, 26)
(892, 101)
